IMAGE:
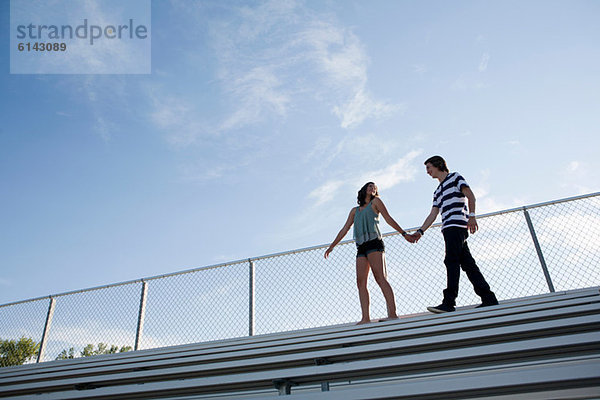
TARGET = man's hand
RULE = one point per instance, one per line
(472, 225)
(414, 238)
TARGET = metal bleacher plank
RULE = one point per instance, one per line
(176, 352)
(389, 342)
(394, 365)
(505, 327)
(504, 333)
(282, 338)
(566, 380)
(582, 392)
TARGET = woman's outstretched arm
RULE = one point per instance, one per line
(342, 232)
(380, 207)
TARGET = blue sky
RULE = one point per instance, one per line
(261, 120)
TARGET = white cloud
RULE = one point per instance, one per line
(576, 177)
(344, 187)
(390, 176)
(258, 92)
(271, 58)
(340, 54)
(320, 148)
(273, 53)
(170, 113)
(336, 51)
(573, 166)
(179, 120)
(103, 127)
(420, 68)
(104, 95)
(483, 63)
(360, 148)
(325, 192)
(362, 107)
(199, 173)
(558, 231)
(486, 202)
(501, 248)
(463, 84)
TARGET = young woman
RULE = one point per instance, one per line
(370, 249)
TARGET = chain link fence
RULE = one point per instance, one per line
(525, 251)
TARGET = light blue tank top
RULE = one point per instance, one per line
(366, 225)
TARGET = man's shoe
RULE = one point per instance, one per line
(487, 304)
(442, 308)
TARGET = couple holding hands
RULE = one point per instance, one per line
(451, 197)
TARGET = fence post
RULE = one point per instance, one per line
(251, 298)
(141, 315)
(44, 340)
(538, 249)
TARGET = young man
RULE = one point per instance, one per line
(457, 221)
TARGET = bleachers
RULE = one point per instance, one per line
(540, 347)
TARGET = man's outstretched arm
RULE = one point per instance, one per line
(427, 223)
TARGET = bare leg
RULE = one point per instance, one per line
(362, 276)
(377, 262)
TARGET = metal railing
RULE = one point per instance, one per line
(522, 251)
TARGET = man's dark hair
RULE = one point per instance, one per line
(437, 162)
(362, 194)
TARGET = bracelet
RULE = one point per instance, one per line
(403, 233)
(471, 215)
(421, 231)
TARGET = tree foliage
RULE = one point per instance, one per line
(89, 350)
(17, 352)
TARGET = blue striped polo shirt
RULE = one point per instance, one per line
(451, 201)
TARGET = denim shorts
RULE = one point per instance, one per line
(369, 247)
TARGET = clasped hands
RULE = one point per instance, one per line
(413, 238)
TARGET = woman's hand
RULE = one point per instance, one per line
(410, 238)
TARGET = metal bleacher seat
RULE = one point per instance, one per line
(539, 347)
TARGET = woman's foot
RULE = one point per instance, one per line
(363, 321)
(390, 318)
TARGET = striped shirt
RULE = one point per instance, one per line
(451, 201)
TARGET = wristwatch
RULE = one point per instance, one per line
(420, 231)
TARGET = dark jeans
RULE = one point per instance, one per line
(458, 256)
